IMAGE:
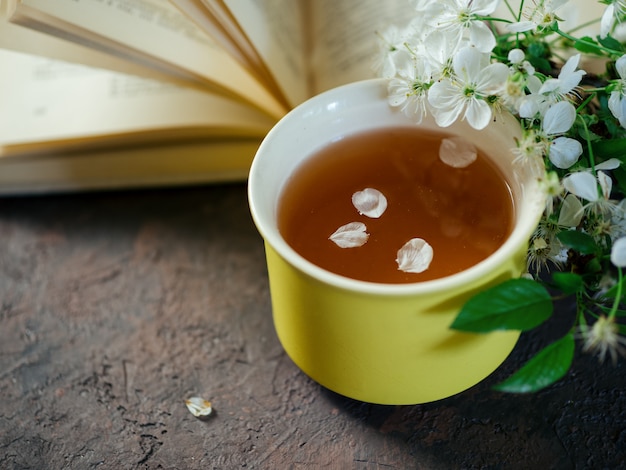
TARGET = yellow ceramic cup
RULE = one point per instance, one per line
(382, 343)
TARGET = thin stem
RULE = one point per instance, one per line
(592, 159)
(584, 25)
(517, 15)
(591, 96)
(599, 47)
(618, 295)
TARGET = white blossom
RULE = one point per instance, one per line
(521, 78)
(541, 252)
(465, 95)
(603, 338)
(392, 50)
(538, 14)
(617, 99)
(529, 148)
(594, 189)
(409, 89)
(463, 18)
(612, 14)
(555, 89)
(529, 105)
(442, 48)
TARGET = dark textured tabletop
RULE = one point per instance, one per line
(115, 307)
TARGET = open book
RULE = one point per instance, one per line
(120, 93)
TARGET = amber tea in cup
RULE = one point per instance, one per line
(435, 188)
(389, 341)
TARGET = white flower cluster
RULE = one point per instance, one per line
(445, 63)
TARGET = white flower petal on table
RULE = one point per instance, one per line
(457, 152)
(370, 202)
(198, 406)
(351, 235)
(415, 256)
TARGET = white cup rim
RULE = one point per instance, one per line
(268, 229)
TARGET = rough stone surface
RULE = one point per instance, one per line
(115, 307)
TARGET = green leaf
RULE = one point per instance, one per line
(517, 304)
(610, 148)
(611, 43)
(537, 53)
(620, 176)
(568, 283)
(548, 366)
(578, 241)
(587, 45)
(608, 310)
(540, 64)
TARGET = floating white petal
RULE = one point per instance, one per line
(198, 406)
(457, 152)
(415, 256)
(351, 235)
(370, 202)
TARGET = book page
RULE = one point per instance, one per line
(46, 102)
(152, 31)
(212, 161)
(22, 39)
(214, 18)
(276, 28)
(197, 11)
(344, 44)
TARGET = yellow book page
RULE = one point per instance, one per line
(150, 30)
(344, 44)
(46, 101)
(276, 28)
(197, 11)
(215, 20)
(212, 161)
(19, 38)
